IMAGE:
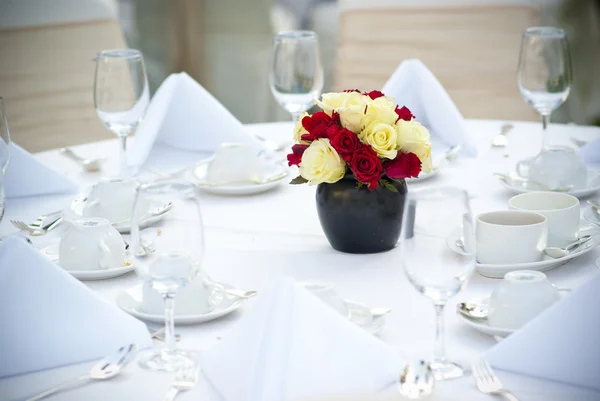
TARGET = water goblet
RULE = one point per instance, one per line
(177, 242)
(296, 73)
(121, 94)
(433, 220)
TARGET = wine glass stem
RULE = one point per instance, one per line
(296, 116)
(122, 155)
(170, 345)
(545, 134)
(439, 352)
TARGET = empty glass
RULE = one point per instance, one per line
(4, 138)
(437, 246)
(167, 254)
(121, 94)
(296, 74)
(544, 72)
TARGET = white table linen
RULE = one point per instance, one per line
(26, 176)
(251, 241)
(590, 152)
(50, 319)
(413, 85)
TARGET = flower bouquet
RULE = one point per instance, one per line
(358, 150)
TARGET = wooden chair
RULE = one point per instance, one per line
(47, 70)
(472, 50)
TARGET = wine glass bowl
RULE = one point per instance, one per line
(296, 77)
(121, 93)
(168, 254)
(433, 221)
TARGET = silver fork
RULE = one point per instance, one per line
(36, 230)
(185, 380)
(488, 382)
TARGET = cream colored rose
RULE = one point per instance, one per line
(383, 138)
(299, 130)
(336, 100)
(321, 163)
(351, 117)
(385, 101)
(414, 137)
(379, 112)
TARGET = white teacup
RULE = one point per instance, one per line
(91, 244)
(234, 163)
(555, 167)
(326, 293)
(112, 199)
(200, 296)
(511, 236)
(520, 297)
(561, 211)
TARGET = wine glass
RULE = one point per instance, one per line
(121, 94)
(296, 74)
(167, 255)
(438, 255)
(4, 138)
(544, 72)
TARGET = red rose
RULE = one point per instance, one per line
(332, 131)
(366, 166)
(316, 125)
(295, 157)
(403, 166)
(375, 94)
(345, 142)
(404, 113)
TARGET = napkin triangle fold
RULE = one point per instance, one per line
(413, 85)
(562, 344)
(291, 345)
(185, 116)
(49, 319)
(26, 176)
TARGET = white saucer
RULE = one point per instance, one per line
(482, 325)
(130, 301)
(593, 185)
(276, 177)
(75, 211)
(548, 263)
(52, 253)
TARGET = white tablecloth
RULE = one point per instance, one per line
(252, 240)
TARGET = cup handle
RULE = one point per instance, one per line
(523, 168)
(105, 255)
(217, 291)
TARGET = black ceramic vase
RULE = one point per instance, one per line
(358, 220)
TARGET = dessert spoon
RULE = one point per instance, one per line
(88, 165)
(555, 252)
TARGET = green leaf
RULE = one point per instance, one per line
(398, 180)
(388, 185)
(299, 180)
(359, 185)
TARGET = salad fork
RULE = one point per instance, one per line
(488, 382)
(185, 380)
(37, 229)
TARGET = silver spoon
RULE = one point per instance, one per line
(555, 252)
(416, 380)
(105, 369)
(508, 179)
(89, 165)
(241, 293)
(159, 211)
(499, 140)
(473, 310)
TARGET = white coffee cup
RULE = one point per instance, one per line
(234, 163)
(561, 211)
(112, 199)
(511, 236)
(200, 296)
(520, 297)
(555, 167)
(327, 293)
(91, 244)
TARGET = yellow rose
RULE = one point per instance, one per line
(383, 138)
(386, 102)
(379, 112)
(351, 117)
(299, 130)
(414, 137)
(321, 163)
(335, 100)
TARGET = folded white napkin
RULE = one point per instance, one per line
(50, 319)
(185, 116)
(291, 345)
(414, 86)
(562, 344)
(591, 152)
(26, 176)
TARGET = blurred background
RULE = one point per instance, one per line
(472, 46)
